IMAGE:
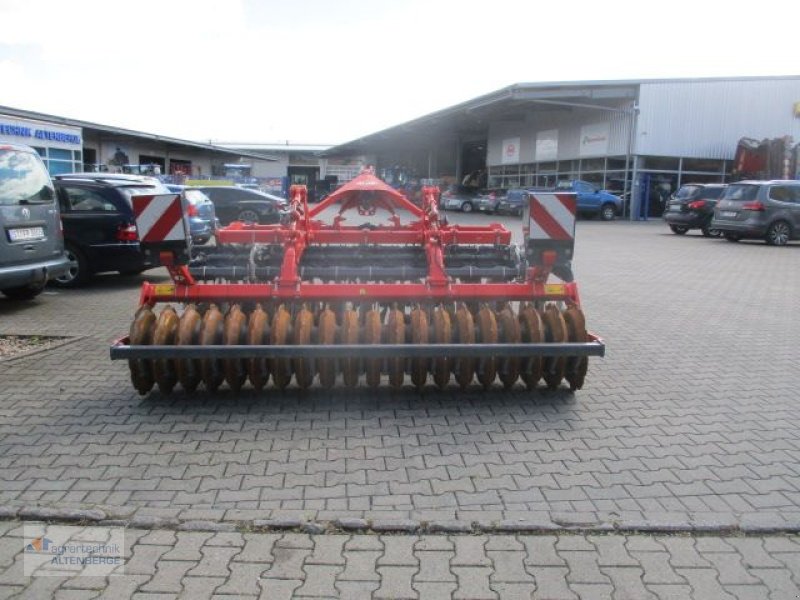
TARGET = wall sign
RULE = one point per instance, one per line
(547, 145)
(31, 131)
(510, 151)
(594, 139)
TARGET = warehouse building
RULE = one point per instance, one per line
(639, 138)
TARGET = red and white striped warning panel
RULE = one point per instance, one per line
(159, 218)
(552, 216)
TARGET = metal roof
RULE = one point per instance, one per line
(509, 102)
(87, 125)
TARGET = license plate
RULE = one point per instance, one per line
(26, 234)
(728, 214)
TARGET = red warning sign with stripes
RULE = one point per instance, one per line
(552, 216)
(159, 218)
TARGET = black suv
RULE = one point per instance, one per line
(99, 228)
(233, 203)
(692, 207)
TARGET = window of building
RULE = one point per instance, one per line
(660, 163)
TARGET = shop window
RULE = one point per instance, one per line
(593, 164)
(660, 163)
(59, 154)
(76, 155)
(548, 166)
(42, 151)
(702, 164)
(616, 163)
(57, 167)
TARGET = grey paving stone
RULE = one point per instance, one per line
(396, 583)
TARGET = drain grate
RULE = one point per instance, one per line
(12, 346)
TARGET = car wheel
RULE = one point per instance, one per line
(732, 237)
(466, 207)
(711, 232)
(78, 271)
(778, 233)
(248, 216)
(608, 212)
(25, 292)
(680, 230)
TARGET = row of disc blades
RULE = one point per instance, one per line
(322, 325)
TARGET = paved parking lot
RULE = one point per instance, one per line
(689, 422)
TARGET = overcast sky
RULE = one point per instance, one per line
(317, 71)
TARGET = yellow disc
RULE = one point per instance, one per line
(189, 335)
(212, 335)
(165, 334)
(509, 334)
(555, 332)
(465, 330)
(442, 334)
(327, 337)
(487, 334)
(279, 336)
(303, 366)
(576, 332)
(419, 336)
(350, 332)
(235, 335)
(396, 334)
(372, 335)
(258, 335)
(532, 330)
(141, 334)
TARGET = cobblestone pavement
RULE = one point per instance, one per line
(691, 416)
(161, 564)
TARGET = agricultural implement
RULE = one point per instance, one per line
(321, 301)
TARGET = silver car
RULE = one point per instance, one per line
(31, 238)
(768, 210)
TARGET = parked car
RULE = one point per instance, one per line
(514, 202)
(200, 216)
(99, 227)
(459, 197)
(592, 200)
(768, 210)
(233, 203)
(488, 199)
(31, 244)
(692, 207)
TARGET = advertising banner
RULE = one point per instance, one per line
(594, 139)
(510, 154)
(547, 145)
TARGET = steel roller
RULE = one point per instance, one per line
(329, 325)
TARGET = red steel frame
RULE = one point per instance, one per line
(366, 193)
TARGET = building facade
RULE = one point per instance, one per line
(69, 145)
(641, 139)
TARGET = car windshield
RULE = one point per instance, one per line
(23, 179)
(687, 192)
(196, 196)
(741, 193)
(564, 185)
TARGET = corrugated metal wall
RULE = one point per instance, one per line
(705, 119)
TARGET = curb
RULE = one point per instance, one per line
(534, 524)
